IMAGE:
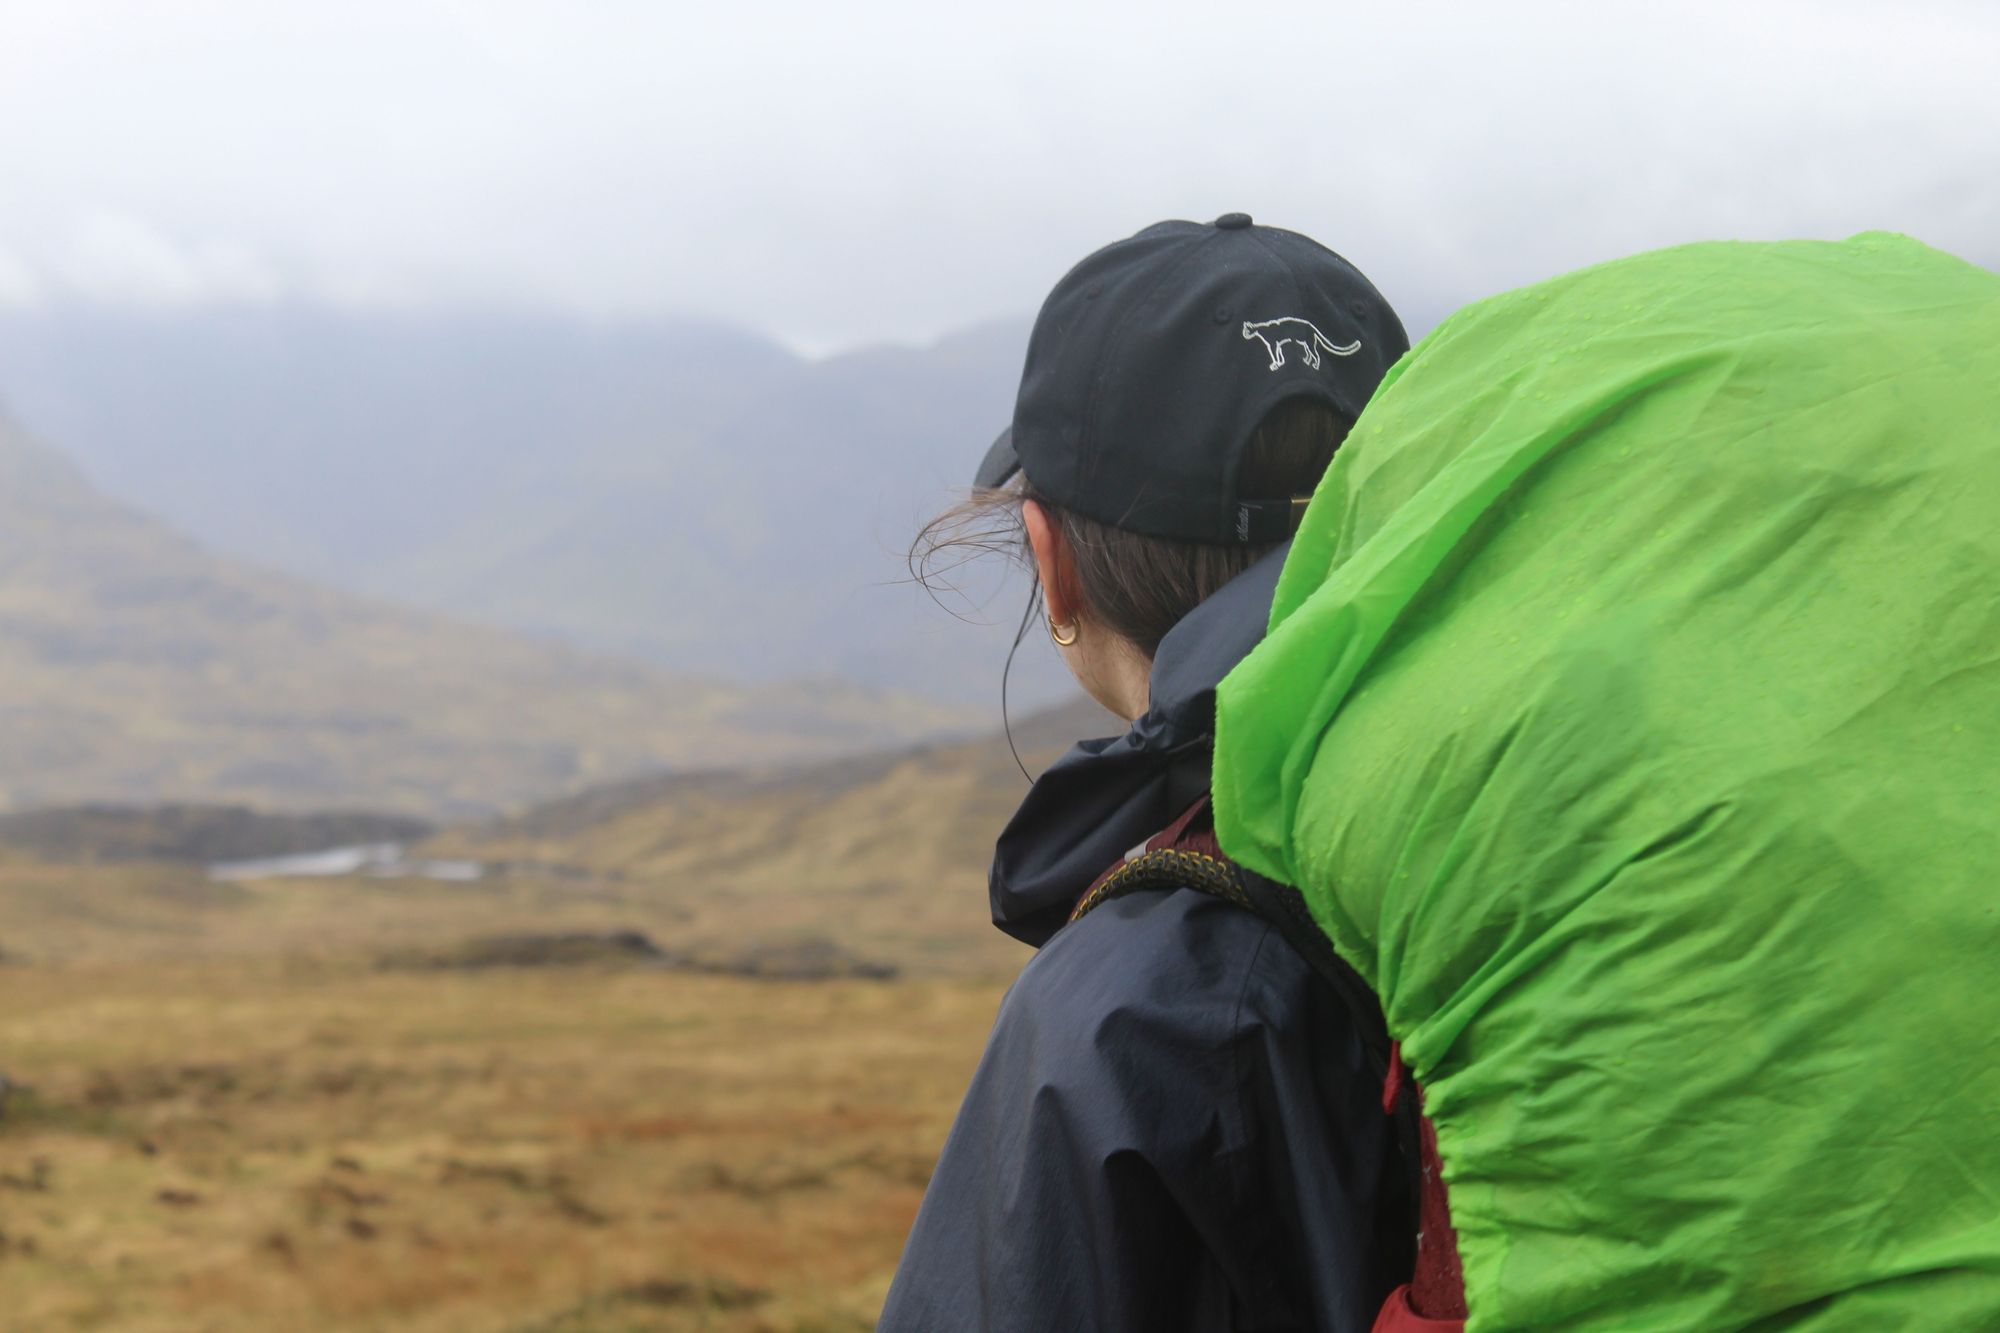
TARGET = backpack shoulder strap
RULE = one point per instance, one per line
(1186, 855)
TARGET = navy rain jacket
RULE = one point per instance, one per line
(1175, 1125)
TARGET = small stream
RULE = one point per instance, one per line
(377, 860)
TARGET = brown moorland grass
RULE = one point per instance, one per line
(317, 1143)
(299, 1104)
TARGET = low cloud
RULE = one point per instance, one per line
(19, 284)
(896, 169)
(115, 258)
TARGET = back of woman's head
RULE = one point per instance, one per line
(1183, 389)
(1136, 586)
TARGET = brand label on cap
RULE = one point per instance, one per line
(1275, 333)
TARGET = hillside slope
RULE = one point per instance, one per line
(886, 855)
(134, 665)
(686, 494)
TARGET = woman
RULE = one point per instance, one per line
(1177, 1123)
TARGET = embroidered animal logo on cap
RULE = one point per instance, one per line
(1275, 333)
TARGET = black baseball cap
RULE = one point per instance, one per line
(1153, 361)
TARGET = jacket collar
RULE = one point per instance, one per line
(1107, 796)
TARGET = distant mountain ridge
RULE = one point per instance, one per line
(137, 666)
(688, 494)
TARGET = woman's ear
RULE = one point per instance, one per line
(1053, 564)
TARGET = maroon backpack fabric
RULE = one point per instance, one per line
(1435, 1298)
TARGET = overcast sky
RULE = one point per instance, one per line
(843, 173)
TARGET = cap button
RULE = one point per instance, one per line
(1233, 221)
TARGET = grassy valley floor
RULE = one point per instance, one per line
(681, 1058)
(319, 1142)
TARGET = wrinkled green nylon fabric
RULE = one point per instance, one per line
(1631, 720)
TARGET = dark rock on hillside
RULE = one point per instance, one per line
(807, 958)
(800, 958)
(536, 949)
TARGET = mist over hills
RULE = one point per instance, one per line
(686, 494)
(137, 665)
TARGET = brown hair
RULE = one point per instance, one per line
(1138, 587)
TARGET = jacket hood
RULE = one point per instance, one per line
(1107, 796)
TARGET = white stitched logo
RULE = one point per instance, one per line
(1275, 333)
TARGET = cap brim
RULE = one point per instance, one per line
(1001, 463)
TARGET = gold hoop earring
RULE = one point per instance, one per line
(1056, 633)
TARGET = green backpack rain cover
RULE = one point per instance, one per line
(1630, 719)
